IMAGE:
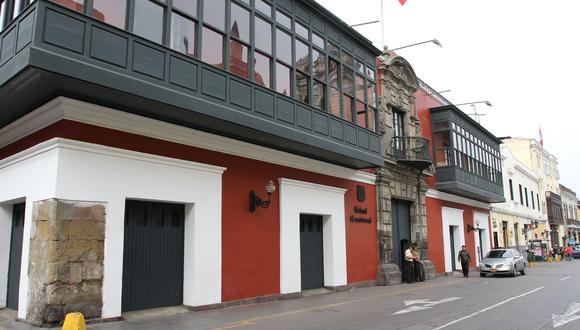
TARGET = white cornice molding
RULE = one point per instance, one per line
(309, 185)
(526, 171)
(516, 213)
(432, 193)
(60, 143)
(79, 111)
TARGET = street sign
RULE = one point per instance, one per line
(421, 304)
(568, 316)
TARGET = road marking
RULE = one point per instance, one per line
(565, 278)
(427, 304)
(568, 316)
(487, 308)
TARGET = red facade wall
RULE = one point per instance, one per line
(435, 232)
(250, 241)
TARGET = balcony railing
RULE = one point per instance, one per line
(412, 151)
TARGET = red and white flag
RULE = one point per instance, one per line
(402, 2)
(541, 138)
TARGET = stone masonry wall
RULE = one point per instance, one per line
(66, 260)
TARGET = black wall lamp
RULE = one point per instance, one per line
(256, 201)
(470, 228)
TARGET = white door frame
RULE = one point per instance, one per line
(451, 217)
(483, 219)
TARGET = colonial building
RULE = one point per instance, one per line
(400, 183)
(514, 220)
(198, 153)
(570, 214)
(468, 178)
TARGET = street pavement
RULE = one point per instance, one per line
(547, 297)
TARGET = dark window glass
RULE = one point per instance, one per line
(361, 114)
(347, 76)
(334, 101)
(262, 69)
(240, 23)
(187, 6)
(372, 120)
(533, 201)
(302, 58)
(371, 94)
(283, 46)
(263, 37)
(214, 14)
(182, 34)
(359, 67)
(301, 30)
(3, 13)
(333, 49)
(521, 195)
(78, 5)
(511, 190)
(148, 20)
(347, 107)
(110, 11)
(264, 8)
(371, 73)
(318, 65)
(398, 123)
(283, 20)
(318, 95)
(333, 74)
(283, 79)
(317, 40)
(302, 87)
(526, 194)
(212, 48)
(360, 88)
(345, 58)
(238, 59)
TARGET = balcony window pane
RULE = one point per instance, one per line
(319, 65)
(443, 152)
(283, 20)
(360, 88)
(78, 5)
(333, 49)
(346, 58)
(240, 23)
(148, 20)
(214, 14)
(212, 48)
(361, 114)
(334, 101)
(318, 95)
(347, 76)
(110, 11)
(333, 74)
(187, 6)
(3, 19)
(317, 40)
(238, 59)
(262, 70)
(283, 46)
(264, 8)
(283, 79)
(359, 67)
(302, 58)
(301, 30)
(263, 37)
(371, 94)
(347, 107)
(372, 119)
(302, 87)
(370, 73)
(182, 34)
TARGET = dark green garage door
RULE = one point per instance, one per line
(153, 255)
(311, 252)
(15, 256)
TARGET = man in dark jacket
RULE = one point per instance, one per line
(464, 258)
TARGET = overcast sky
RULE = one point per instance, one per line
(521, 55)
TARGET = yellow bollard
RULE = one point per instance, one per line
(74, 321)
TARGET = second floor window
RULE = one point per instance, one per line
(511, 190)
(398, 129)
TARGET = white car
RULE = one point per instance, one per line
(502, 261)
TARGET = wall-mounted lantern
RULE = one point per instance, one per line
(256, 201)
(470, 228)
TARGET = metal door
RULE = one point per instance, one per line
(153, 255)
(452, 242)
(311, 252)
(401, 228)
(15, 256)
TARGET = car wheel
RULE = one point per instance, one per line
(523, 272)
(482, 274)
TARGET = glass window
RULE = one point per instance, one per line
(148, 20)
(302, 58)
(3, 20)
(78, 5)
(283, 20)
(333, 74)
(212, 48)
(372, 120)
(283, 46)
(302, 87)
(371, 94)
(361, 114)
(333, 49)
(238, 59)
(334, 101)
(263, 37)
(359, 67)
(346, 58)
(182, 34)
(347, 107)
(318, 65)
(360, 88)
(317, 40)
(347, 76)
(187, 6)
(110, 11)
(215, 14)
(264, 8)
(318, 95)
(283, 79)
(301, 30)
(262, 69)
(240, 23)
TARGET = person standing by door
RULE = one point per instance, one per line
(465, 259)
(417, 264)
(409, 271)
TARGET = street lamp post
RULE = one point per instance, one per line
(435, 41)
(472, 104)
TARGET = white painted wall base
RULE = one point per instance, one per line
(452, 217)
(483, 219)
(298, 197)
(5, 236)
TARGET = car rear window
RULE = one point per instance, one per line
(499, 254)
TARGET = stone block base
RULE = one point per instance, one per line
(429, 270)
(388, 274)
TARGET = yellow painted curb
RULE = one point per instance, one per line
(74, 321)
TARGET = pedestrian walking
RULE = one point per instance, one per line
(408, 269)
(564, 253)
(569, 252)
(465, 259)
(417, 264)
